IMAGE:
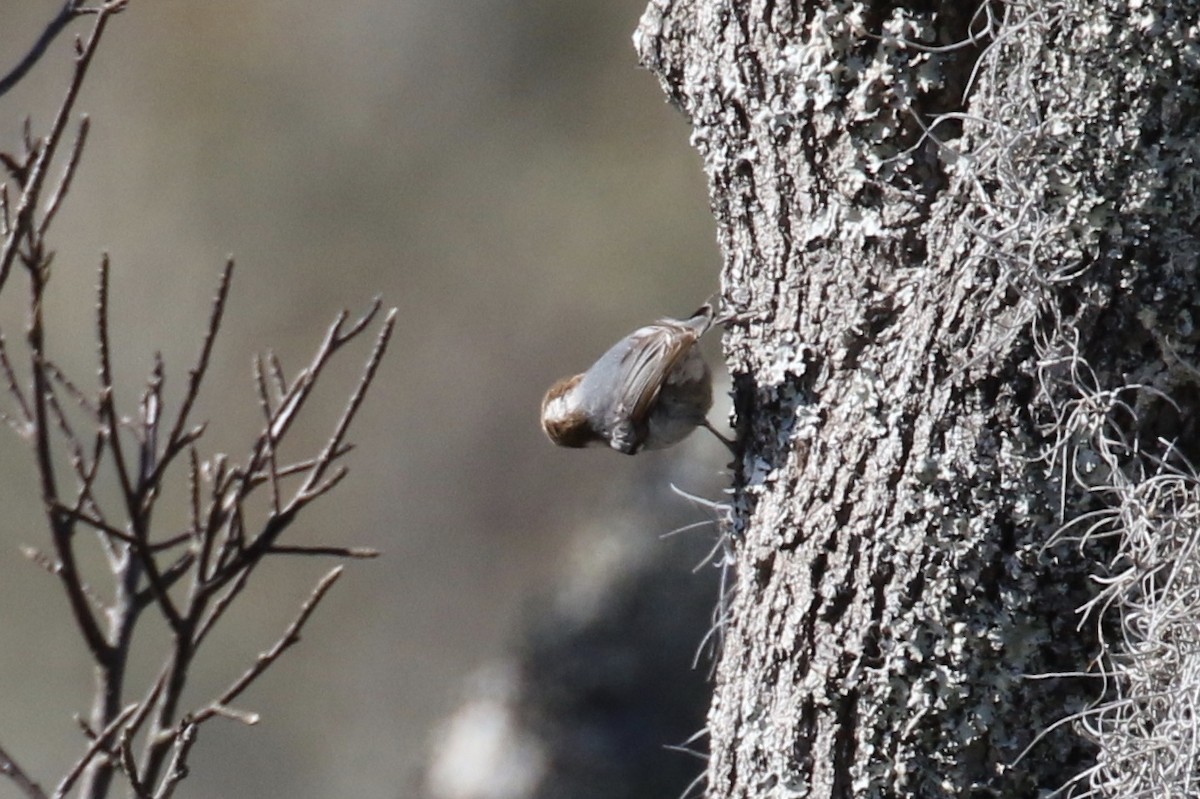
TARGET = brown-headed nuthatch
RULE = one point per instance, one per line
(649, 391)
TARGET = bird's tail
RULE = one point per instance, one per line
(702, 319)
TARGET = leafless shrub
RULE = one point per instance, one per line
(81, 441)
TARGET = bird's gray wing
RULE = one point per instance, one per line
(653, 352)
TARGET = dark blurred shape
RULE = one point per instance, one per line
(600, 684)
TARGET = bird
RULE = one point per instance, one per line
(650, 390)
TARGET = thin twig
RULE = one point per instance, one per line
(335, 339)
(289, 638)
(220, 605)
(129, 766)
(247, 717)
(264, 402)
(281, 384)
(64, 184)
(169, 576)
(97, 523)
(23, 218)
(175, 439)
(107, 406)
(68, 432)
(80, 398)
(62, 527)
(306, 495)
(132, 494)
(54, 569)
(14, 386)
(99, 741)
(360, 392)
(360, 553)
(177, 770)
(194, 488)
(151, 412)
(299, 467)
(5, 217)
(10, 769)
(143, 708)
(67, 13)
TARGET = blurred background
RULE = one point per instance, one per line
(505, 174)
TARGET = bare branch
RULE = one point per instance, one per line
(64, 184)
(223, 542)
(14, 386)
(99, 742)
(290, 637)
(78, 460)
(360, 553)
(221, 604)
(67, 13)
(151, 412)
(178, 569)
(129, 766)
(23, 219)
(335, 339)
(10, 769)
(307, 495)
(107, 407)
(247, 717)
(102, 526)
(5, 216)
(196, 374)
(214, 519)
(337, 336)
(143, 708)
(133, 494)
(54, 569)
(358, 327)
(159, 586)
(264, 401)
(177, 770)
(299, 467)
(80, 398)
(281, 383)
(194, 488)
(62, 527)
(360, 392)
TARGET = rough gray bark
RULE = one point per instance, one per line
(962, 243)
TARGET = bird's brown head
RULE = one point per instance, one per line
(566, 424)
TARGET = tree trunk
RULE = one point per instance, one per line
(961, 246)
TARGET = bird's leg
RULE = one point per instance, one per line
(729, 442)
